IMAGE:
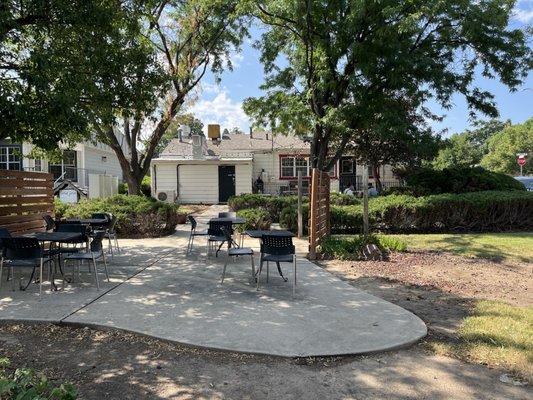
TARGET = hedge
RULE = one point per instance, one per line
(256, 219)
(271, 204)
(138, 216)
(489, 211)
(351, 248)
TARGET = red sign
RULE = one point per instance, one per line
(521, 160)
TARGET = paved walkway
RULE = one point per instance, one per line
(157, 290)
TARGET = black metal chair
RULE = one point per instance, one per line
(227, 214)
(82, 229)
(24, 252)
(278, 249)
(193, 233)
(100, 216)
(109, 233)
(50, 223)
(94, 253)
(216, 235)
(236, 252)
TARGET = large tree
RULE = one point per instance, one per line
(62, 61)
(189, 38)
(504, 146)
(336, 68)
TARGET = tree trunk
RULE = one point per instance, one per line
(377, 178)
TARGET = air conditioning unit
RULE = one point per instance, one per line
(168, 196)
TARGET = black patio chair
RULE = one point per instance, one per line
(100, 216)
(94, 253)
(50, 223)
(227, 214)
(278, 249)
(110, 234)
(82, 229)
(193, 233)
(236, 252)
(216, 235)
(24, 252)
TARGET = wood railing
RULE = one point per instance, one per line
(319, 215)
(24, 198)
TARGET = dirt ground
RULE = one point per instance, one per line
(118, 365)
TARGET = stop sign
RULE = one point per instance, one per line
(521, 160)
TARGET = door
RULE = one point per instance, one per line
(226, 182)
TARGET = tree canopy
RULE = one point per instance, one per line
(340, 68)
(504, 146)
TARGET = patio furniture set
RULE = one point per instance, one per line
(275, 245)
(71, 240)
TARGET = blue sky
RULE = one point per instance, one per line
(222, 103)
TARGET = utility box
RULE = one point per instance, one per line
(213, 131)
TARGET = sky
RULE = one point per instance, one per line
(222, 103)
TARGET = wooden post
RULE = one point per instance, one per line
(365, 200)
(313, 208)
(300, 214)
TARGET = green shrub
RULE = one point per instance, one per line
(459, 180)
(351, 248)
(256, 219)
(272, 204)
(138, 216)
(289, 218)
(25, 383)
(340, 199)
(146, 187)
(490, 211)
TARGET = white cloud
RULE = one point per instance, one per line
(523, 11)
(221, 110)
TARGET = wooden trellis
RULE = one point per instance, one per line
(319, 215)
(24, 198)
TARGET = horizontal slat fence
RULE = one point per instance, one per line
(24, 198)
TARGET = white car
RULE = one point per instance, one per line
(527, 181)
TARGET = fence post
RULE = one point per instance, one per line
(300, 214)
(365, 199)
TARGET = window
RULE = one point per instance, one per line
(287, 167)
(291, 165)
(347, 166)
(302, 165)
(67, 166)
(370, 171)
(10, 157)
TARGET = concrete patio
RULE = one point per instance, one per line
(157, 290)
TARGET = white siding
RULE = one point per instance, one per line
(198, 183)
(94, 164)
(243, 178)
(164, 177)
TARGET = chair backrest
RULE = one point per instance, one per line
(227, 233)
(277, 245)
(112, 223)
(20, 248)
(50, 223)
(96, 243)
(227, 215)
(215, 227)
(4, 233)
(76, 228)
(100, 216)
(193, 222)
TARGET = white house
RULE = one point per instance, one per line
(210, 170)
(78, 163)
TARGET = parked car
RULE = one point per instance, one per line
(527, 181)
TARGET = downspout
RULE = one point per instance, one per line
(177, 181)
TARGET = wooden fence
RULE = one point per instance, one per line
(24, 198)
(319, 216)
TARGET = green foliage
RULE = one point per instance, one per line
(488, 211)
(504, 146)
(343, 68)
(351, 248)
(340, 199)
(138, 216)
(289, 218)
(25, 383)
(272, 204)
(466, 149)
(256, 218)
(458, 180)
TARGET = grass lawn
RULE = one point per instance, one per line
(498, 335)
(518, 246)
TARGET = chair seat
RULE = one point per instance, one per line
(278, 258)
(240, 251)
(30, 262)
(200, 233)
(83, 255)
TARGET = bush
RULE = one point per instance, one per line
(340, 199)
(146, 187)
(256, 219)
(272, 204)
(25, 383)
(289, 218)
(459, 180)
(490, 211)
(351, 248)
(138, 216)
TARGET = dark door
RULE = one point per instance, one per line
(226, 182)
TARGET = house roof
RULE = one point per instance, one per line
(260, 141)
